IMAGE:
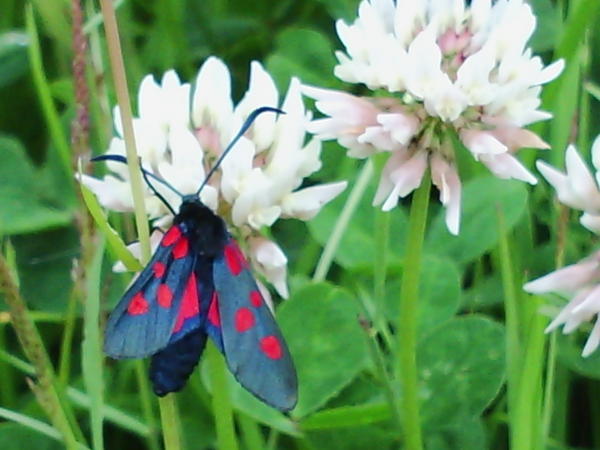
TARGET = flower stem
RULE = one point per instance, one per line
(222, 409)
(118, 71)
(146, 403)
(342, 223)
(380, 264)
(407, 319)
(169, 417)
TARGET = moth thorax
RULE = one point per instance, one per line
(206, 230)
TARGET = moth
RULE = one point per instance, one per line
(198, 285)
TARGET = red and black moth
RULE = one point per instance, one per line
(197, 285)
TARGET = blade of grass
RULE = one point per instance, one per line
(33, 346)
(358, 190)
(223, 412)
(82, 400)
(115, 244)
(347, 416)
(91, 351)
(42, 86)
(35, 425)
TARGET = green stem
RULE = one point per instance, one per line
(64, 365)
(118, 71)
(222, 409)
(146, 402)
(251, 434)
(407, 319)
(42, 86)
(380, 264)
(383, 373)
(169, 417)
(342, 223)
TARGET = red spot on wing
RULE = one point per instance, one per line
(271, 347)
(190, 307)
(138, 305)
(165, 296)
(244, 320)
(214, 316)
(234, 258)
(159, 269)
(256, 299)
(171, 236)
(181, 249)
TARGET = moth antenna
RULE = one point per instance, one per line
(147, 175)
(247, 123)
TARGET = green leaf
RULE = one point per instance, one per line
(250, 405)
(347, 416)
(487, 292)
(549, 26)
(44, 263)
(464, 432)
(479, 232)
(357, 247)
(303, 53)
(439, 293)
(13, 56)
(23, 207)
(15, 436)
(569, 352)
(461, 368)
(341, 9)
(329, 348)
(115, 244)
(355, 438)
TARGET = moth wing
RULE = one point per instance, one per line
(253, 346)
(144, 320)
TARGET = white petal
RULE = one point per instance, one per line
(261, 92)
(591, 222)
(406, 178)
(212, 105)
(112, 193)
(400, 126)
(306, 203)
(482, 142)
(445, 177)
(593, 340)
(580, 179)
(596, 152)
(507, 166)
(271, 262)
(567, 279)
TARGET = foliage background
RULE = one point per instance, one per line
(334, 328)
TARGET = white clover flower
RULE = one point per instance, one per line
(446, 68)
(579, 282)
(179, 136)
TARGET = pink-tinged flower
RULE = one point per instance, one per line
(579, 282)
(180, 133)
(447, 68)
(577, 187)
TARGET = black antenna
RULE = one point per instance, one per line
(247, 123)
(147, 175)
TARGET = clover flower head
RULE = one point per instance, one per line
(440, 67)
(579, 282)
(180, 133)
